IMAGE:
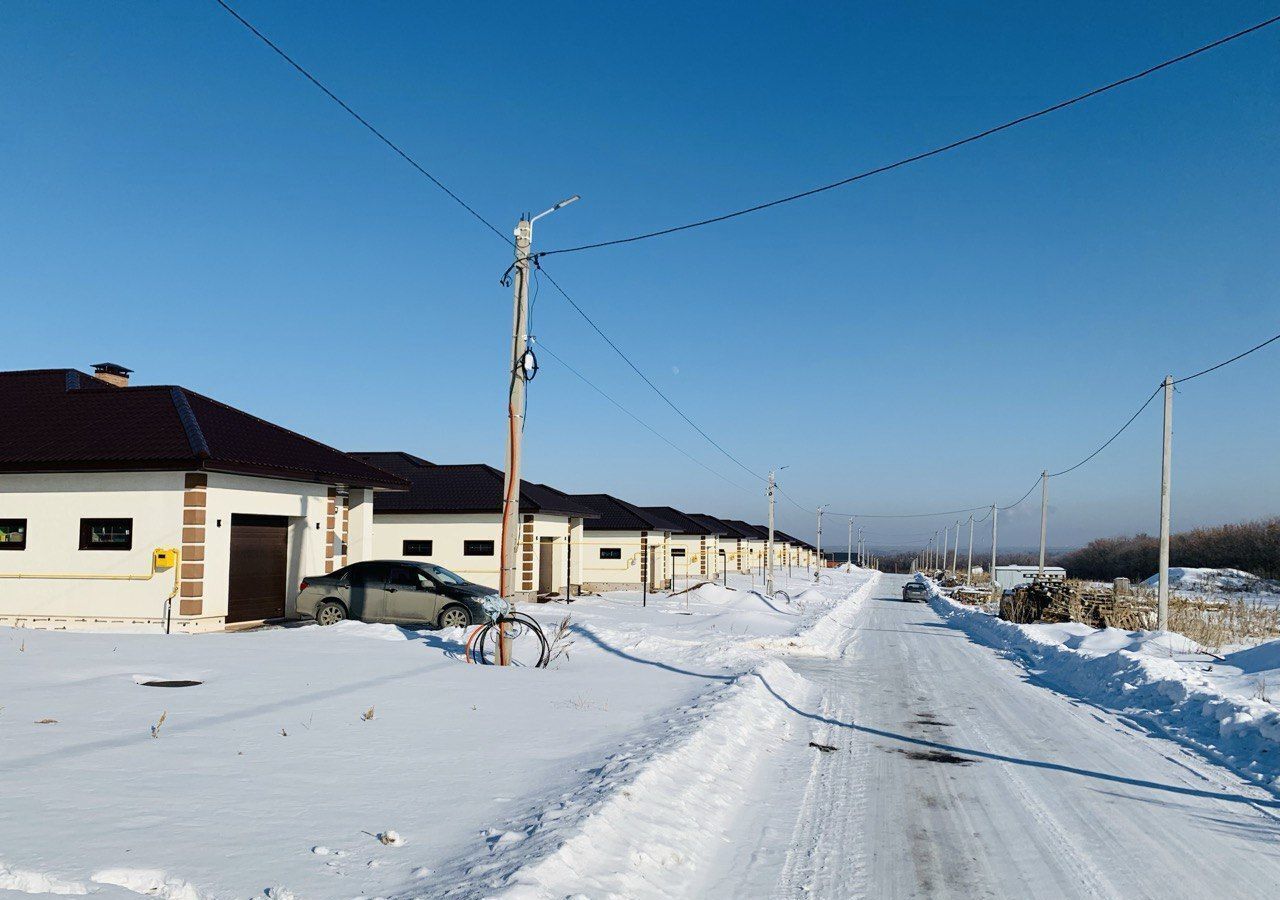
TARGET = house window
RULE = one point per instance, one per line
(106, 534)
(611, 553)
(416, 548)
(13, 534)
(477, 548)
(677, 551)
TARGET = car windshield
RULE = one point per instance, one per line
(443, 575)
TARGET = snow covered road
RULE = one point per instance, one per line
(958, 775)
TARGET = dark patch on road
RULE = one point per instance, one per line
(930, 719)
(825, 748)
(937, 756)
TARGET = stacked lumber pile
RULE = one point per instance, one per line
(1072, 601)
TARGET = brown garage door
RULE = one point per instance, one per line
(259, 560)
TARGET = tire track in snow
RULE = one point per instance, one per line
(832, 814)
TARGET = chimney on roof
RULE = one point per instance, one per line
(112, 373)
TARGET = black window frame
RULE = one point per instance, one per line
(20, 525)
(478, 547)
(405, 544)
(86, 533)
(611, 553)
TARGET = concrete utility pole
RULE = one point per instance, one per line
(946, 537)
(768, 583)
(955, 552)
(1166, 463)
(519, 371)
(968, 572)
(995, 517)
(1044, 514)
(849, 546)
(820, 509)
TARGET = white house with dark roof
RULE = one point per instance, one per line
(693, 547)
(154, 507)
(451, 515)
(625, 548)
(729, 541)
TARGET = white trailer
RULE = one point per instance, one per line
(1009, 577)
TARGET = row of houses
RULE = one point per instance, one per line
(126, 506)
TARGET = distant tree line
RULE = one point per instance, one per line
(1251, 546)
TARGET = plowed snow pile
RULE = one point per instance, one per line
(1221, 706)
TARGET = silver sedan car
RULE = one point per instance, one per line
(395, 591)
(915, 591)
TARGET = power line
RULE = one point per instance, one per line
(618, 350)
(362, 120)
(936, 151)
(1108, 441)
(1018, 502)
(928, 153)
(411, 161)
(1227, 362)
(585, 380)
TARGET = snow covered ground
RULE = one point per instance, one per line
(1217, 581)
(367, 760)
(1223, 706)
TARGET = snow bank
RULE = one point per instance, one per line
(1214, 581)
(641, 823)
(638, 827)
(27, 882)
(827, 635)
(1133, 672)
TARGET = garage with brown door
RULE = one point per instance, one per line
(257, 582)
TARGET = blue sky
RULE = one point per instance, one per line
(175, 198)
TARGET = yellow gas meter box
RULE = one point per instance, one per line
(163, 558)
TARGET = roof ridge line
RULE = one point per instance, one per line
(190, 424)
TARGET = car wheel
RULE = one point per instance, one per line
(455, 616)
(330, 612)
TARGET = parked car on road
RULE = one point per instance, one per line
(915, 591)
(395, 591)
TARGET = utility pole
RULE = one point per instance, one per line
(820, 509)
(955, 552)
(1044, 514)
(946, 536)
(518, 373)
(1166, 463)
(968, 572)
(995, 516)
(768, 582)
(849, 546)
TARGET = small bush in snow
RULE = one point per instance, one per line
(155, 729)
(367, 715)
(561, 641)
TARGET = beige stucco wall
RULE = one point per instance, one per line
(53, 505)
(752, 555)
(688, 570)
(448, 531)
(624, 574)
